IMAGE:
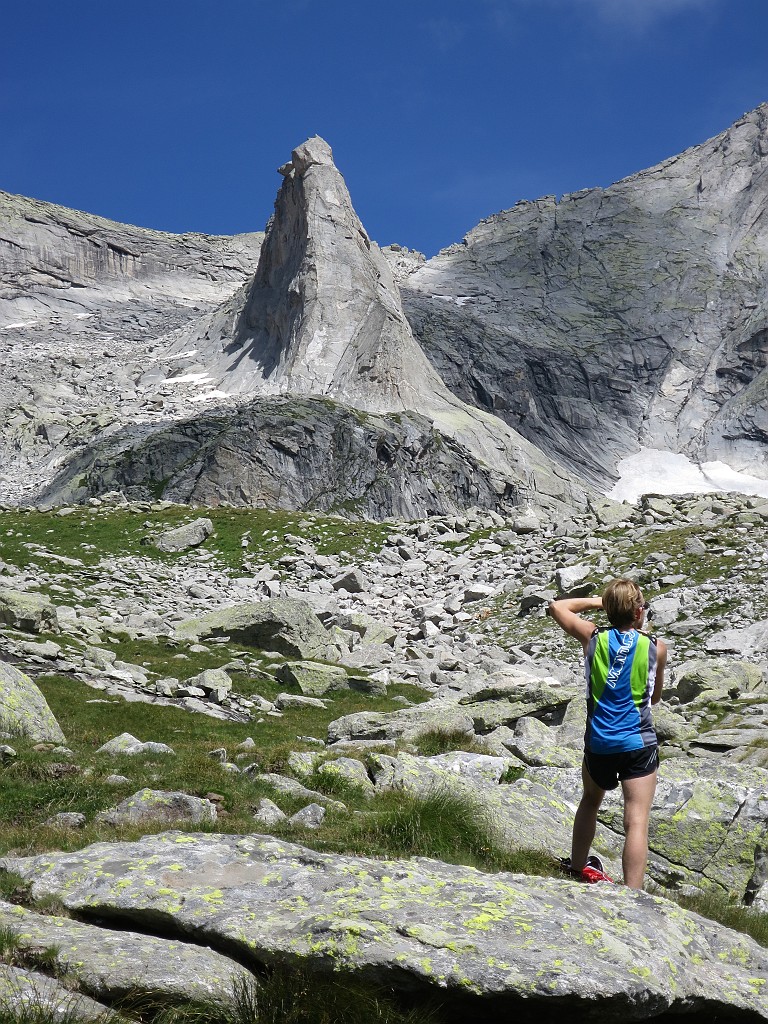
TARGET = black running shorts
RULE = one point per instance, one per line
(608, 770)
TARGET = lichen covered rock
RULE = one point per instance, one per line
(24, 710)
(151, 805)
(112, 964)
(419, 923)
(29, 612)
(285, 625)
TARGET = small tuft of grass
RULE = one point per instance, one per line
(9, 944)
(512, 774)
(47, 961)
(15, 953)
(444, 741)
(51, 906)
(335, 785)
(13, 888)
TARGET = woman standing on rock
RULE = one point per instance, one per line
(625, 675)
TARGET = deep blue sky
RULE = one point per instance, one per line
(174, 114)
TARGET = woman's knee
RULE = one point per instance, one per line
(635, 819)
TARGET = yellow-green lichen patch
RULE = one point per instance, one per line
(213, 896)
(640, 972)
(737, 954)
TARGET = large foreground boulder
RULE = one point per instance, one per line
(528, 946)
(24, 710)
(282, 624)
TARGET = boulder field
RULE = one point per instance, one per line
(454, 609)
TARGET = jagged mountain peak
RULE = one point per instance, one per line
(322, 314)
(323, 318)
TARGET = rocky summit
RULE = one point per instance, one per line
(285, 730)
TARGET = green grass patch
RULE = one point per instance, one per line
(38, 784)
(444, 741)
(728, 911)
(443, 826)
(88, 534)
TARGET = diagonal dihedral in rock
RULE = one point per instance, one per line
(322, 317)
(614, 318)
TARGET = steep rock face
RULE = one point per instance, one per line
(619, 317)
(82, 302)
(56, 259)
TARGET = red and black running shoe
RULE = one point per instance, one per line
(592, 872)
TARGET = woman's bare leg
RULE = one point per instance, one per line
(585, 822)
(638, 797)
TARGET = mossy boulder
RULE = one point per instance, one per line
(30, 613)
(371, 630)
(125, 743)
(717, 677)
(24, 710)
(505, 702)
(152, 805)
(407, 725)
(189, 535)
(312, 678)
(282, 624)
(349, 771)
